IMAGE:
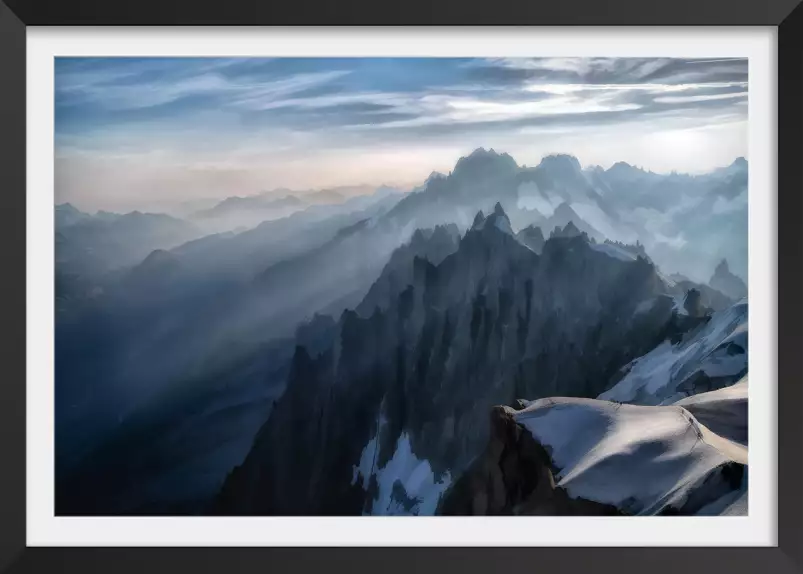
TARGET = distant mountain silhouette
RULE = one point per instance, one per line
(725, 281)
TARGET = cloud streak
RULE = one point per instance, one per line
(102, 95)
(295, 110)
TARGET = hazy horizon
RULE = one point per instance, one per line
(353, 189)
(145, 133)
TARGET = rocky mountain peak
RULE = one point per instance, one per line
(561, 163)
(569, 230)
(740, 162)
(498, 220)
(624, 169)
(728, 283)
(564, 210)
(67, 206)
(484, 163)
(532, 237)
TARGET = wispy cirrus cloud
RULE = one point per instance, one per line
(700, 98)
(287, 111)
(140, 88)
(349, 92)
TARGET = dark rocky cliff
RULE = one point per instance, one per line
(490, 322)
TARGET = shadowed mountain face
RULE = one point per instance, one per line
(491, 322)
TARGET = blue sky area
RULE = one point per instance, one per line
(134, 132)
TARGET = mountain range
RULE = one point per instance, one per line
(419, 371)
(345, 358)
(239, 213)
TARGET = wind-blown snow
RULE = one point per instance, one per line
(415, 476)
(719, 349)
(641, 459)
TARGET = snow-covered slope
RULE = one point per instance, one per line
(645, 460)
(711, 357)
(406, 485)
(723, 411)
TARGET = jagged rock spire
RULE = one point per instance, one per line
(499, 220)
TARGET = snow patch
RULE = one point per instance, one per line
(678, 304)
(406, 484)
(718, 349)
(723, 411)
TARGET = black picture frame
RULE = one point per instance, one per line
(16, 15)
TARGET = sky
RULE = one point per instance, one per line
(146, 133)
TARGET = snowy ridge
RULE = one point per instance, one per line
(718, 350)
(723, 411)
(645, 460)
(406, 484)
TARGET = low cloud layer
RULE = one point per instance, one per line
(134, 132)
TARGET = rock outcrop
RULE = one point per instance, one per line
(513, 475)
(564, 456)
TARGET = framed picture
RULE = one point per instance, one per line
(430, 287)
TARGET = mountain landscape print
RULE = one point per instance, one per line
(401, 286)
